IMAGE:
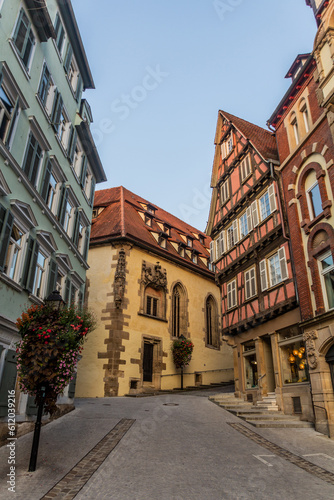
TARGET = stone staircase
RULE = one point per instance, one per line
(264, 413)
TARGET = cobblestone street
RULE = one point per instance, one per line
(170, 447)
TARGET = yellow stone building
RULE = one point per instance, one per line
(150, 281)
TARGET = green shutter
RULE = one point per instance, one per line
(53, 271)
(67, 290)
(57, 109)
(8, 381)
(75, 235)
(68, 58)
(46, 179)
(83, 171)
(30, 246)
(86, 245)
(32, 270)
(79, 88)
(92, 192)
(5, 238)
(72, 143)
(62, 204)
(13, 117)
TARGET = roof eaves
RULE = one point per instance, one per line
(66, 9)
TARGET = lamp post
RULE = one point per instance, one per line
(182, 337)
(55, 301)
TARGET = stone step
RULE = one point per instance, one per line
(234, 405)
(256, 411)
(269, 416)
(278, 423)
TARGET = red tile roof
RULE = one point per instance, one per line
(263, 140)
(120, 218)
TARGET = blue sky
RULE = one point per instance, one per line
(163, 69)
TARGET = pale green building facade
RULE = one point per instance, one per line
(49, 167)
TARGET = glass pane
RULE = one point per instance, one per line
(329, 283)
(315, 199)
(327, 262)
(251, 375)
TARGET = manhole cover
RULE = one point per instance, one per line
(170, 404)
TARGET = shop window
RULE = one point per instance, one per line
(327, 278)
(330, 360)
(293, 361)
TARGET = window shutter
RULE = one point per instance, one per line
(283, 264)
(255, 213)
(32, 270)
(83, 171)
(249, 219)
(221, 239)
(212, 251)
(263, 275)
(272, 198)
(247, 285)
(57, 109)
(62, 204)
(53, 270)
(13, 117)
(92, 191)
(5, 238)
(72, 143)
(86, 245)
(2, 217)
(79, 87)
(75, 235)
(30, 246)
(46, 179)
(253, 282)
(67, 290)
(8, 381)
(235, 231)
(68, 58)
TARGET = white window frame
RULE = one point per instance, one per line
(15, 249)
(40, 275)
(264, 216)
(232, 299)
(306, 115)
(227, 146)
(310, 202)
(323, 272)
(266, 271)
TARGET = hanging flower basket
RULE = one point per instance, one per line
(182, 350)
(47, 355)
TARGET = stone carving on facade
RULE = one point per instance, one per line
(154, 275)
(119, 280)
(309, 338)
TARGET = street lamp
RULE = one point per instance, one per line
(55, 301)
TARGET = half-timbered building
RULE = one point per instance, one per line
(252, 257)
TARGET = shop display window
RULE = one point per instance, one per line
(250, 363)
(294, 362)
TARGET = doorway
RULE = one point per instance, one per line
(148, 362)
(269, 363)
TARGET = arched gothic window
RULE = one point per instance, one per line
(179, 311)
(211, 317)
